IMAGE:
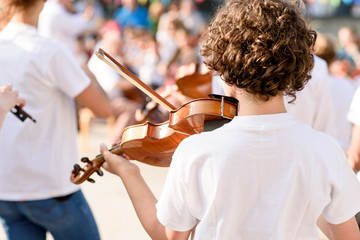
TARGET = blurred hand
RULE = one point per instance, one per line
(118, 165)
(9, 98)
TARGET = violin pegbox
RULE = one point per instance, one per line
(86, 160)
(79, 174)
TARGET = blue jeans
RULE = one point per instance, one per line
(66, 218)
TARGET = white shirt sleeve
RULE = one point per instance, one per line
(66, 73)
(344, 194)
(172, 208)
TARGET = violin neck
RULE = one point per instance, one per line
(100, 53)
(115, 150)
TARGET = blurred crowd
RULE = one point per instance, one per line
(158, 41)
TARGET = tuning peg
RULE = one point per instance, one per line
(85, 160)
(91, 180)
(100, 172)
(77, 169)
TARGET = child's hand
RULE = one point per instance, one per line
(116, 164)
(9, 98)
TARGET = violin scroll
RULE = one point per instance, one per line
(79, 174)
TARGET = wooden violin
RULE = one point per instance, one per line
(155, 144)
(149, 143)
(191, 82)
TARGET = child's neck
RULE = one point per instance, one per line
(29, 15)
(250, 105)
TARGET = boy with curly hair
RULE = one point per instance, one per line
(264, 175)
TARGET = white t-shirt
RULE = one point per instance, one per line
(105, 75)
(314, 104)
(354, 111)
(258, 177)
(37, 158)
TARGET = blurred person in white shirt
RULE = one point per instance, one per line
(59, 21)
(342, 88)
(313, 104)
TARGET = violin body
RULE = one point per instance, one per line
(153, 144)
(195, 85)
(190, 117)
(192, 81)
(149, 143)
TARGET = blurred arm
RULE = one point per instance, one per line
(354, 150)
(141, 196)
(95, 98)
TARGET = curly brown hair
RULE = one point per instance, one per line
(262, 46)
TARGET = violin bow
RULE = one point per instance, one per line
(100, 53)
(21, 114)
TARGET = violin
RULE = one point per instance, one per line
(191, 82)
(154, 144)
